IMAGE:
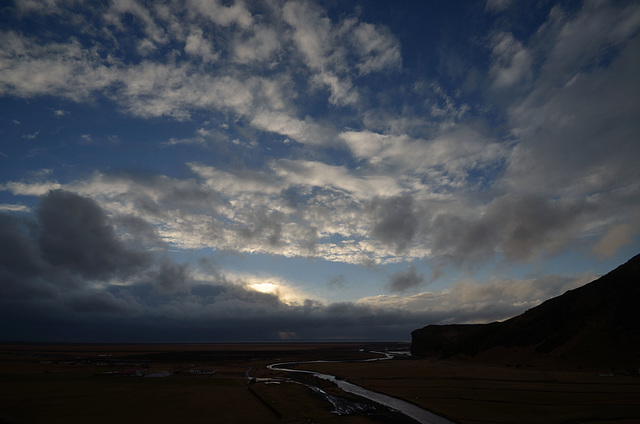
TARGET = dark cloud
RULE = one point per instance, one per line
(141, 232)
(264, 225)
(517, 227)
(309, 239)
(96, 303)
(171, 276)
(19, 255)
(20, 261)
(76, 235)
(404, 280)
(395, 220)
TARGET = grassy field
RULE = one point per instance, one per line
(474, 393)
(83, 384)
(208, 383)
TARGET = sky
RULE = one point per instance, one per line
(212, 170)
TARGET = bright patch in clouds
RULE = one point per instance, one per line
(264, 287)
(248, 170)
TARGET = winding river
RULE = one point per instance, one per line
(404, 407)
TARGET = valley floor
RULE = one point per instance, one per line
(229, 383)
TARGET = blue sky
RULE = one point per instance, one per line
(257, 170)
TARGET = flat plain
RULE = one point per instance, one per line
(229, 383)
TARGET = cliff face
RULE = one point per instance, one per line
(597, 324)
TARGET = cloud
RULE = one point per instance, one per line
(474, 302)
(379, 49)
(443, 162)
(321, 44)
(515, 227)
(31, 136)
(198, 46)
(337, 282)
(54, 287)
(30, 189)
(572, 129)
(319, 174)
(169, 84)
(61, 69)
(402, 281)
(512, 62)
(19, 253)
(616, 237)
(76, 235)
(395, 221)
(236, 13)
(5, 207)
(70, 264)
(263, 45)
(118, 9)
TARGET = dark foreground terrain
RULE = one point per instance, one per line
(199, 383)
(229, 383)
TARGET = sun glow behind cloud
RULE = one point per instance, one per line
(286, 292)
(264, 287)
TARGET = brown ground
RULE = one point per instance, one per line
(67, 384)
(480, 393)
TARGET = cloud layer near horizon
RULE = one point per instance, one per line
(68, 276)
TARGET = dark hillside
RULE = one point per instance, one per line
(597, 324)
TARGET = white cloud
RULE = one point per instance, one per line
(29, 189)
(304, 131)
(37, 6)
(6, 207)
(234, 184)
(59, 69)
(166, 82)
(512, 61)
(319, 174)
(119, 8)
(198, 46)
(378, 50)
(154, 90)
(445, 160)
(325, 48)
(262, 46)
(31, 136)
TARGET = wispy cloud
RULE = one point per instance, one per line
(31, 136)
(14, 208)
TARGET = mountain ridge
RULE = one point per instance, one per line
(595, 325)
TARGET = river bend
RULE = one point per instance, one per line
(409, 409)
